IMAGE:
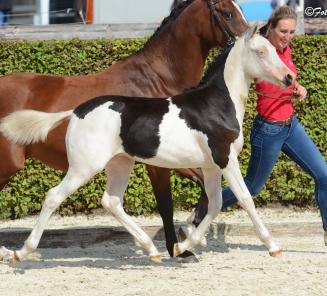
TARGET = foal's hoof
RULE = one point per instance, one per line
(155, 259)
(277, 253)
(187, 257)
(177, 250)
(9, 256)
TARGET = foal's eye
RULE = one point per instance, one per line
(261, 53)
(227, 15)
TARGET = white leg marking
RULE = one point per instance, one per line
(118, 171)
(212, 185)
(235, 180)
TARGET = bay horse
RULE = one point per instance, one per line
(171, 61)
(200, 128)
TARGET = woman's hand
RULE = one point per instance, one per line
(299, 92)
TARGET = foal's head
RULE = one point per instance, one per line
(260, 60)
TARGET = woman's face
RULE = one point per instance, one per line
(282, 34)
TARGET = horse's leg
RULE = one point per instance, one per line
(13, 157)
(197, 215)
(212, 185)
(55, 196)
(200, 210)
(160, 180)
(232, 174)
(118, 171)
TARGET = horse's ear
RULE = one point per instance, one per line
(251, 32)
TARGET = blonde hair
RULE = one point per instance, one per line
(281, 13)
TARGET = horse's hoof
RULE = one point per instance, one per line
(325, 238)
(187, 257)
(177, 250)
(277, 253)
(9, 256)
(155, 259)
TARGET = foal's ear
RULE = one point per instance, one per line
(249, 33)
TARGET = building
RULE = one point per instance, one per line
(44, 12)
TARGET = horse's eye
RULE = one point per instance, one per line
(261, 53)
(227, 15)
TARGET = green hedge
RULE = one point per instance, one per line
(288, 184)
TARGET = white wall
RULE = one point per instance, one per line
(130, 11)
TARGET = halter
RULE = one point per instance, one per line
(217, 20)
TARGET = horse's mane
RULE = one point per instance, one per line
(177, 10)
(212, 70)
(219, 62)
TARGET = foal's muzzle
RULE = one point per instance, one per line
(288, 80)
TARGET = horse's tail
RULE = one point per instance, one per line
(30, 126)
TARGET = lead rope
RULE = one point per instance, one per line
(265, 95)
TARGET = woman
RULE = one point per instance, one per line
(276, 128)
(5, 8)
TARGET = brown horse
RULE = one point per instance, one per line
(171, 61)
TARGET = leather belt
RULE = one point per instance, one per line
(277, 122)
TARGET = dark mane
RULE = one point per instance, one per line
(167, 20)
(219, 62)
(214, 68)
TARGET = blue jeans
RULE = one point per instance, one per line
(267, 140)
(3, 17)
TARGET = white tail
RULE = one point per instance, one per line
(30, 126)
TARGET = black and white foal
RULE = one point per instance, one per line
(201, 128)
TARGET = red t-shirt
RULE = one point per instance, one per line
(270, 108)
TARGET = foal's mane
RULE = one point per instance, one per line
(167, 20)
(215, 68)
(219, 62)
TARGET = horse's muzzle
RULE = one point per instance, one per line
(288, 80)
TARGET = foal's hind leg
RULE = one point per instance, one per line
(118, 171)
(212, 185)
(55, 196)
(235, 180)
(160, 180)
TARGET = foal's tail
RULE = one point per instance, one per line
(30, 126)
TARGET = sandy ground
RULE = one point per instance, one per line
(229, 265)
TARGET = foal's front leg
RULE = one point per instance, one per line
(118, 171)
(232, 174)
(212, 185)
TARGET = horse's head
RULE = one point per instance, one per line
(261, 60)
(228, 20)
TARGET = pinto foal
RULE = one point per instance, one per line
(161, 68)
(201, 128)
